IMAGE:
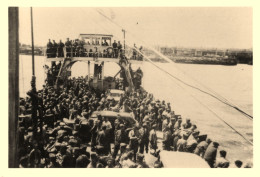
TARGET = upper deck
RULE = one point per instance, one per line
(90, 47)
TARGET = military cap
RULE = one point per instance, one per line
(51, 138)
(223, 153)
(216, 144)
(57, 144)
(52, 155)
(75, 132)
(84, 113)
(154, 126)
(123, 144)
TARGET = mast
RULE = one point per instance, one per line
(33, 93)
(33, 70)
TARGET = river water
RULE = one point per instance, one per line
(232, 83)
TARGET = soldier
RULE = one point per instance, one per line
(201, 147)
(153, 138)
(120, 137)
(60, 49)
(119, 47)
(211, 153)
(115, 53)
(93, 160)
(187, 124)
(165, 123)
(144, 138)
(93, 132)
(134, 137)
(55, 49)
(74, 47)
(134, 52)
(222, 162)
(167, 139)
(102, 141)
(181, 143)
(68, 48)
(49, 49)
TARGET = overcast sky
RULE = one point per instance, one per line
(217, 27)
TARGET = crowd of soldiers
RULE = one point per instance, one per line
(84, 143)
(75, 48)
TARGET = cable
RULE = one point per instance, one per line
(167, 59)
(172, 76)
(251, 143)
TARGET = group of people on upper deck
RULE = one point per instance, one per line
(75, 48)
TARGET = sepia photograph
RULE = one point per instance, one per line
(130, 87)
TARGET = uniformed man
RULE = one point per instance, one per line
(134, 52)
(120, 137)
(68, 45)
(102, 141)
(74, 47)
(115, 52)
(222, 162)
(187, 124)
(167, 139)
(55, 49)
(211, 153)
(49, 49)
(153, 138)
(119, 47)
(60, 49)
(134, 137)
(144, 138)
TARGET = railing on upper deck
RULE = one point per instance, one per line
(67, 52)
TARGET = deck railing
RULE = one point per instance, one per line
(70, 52)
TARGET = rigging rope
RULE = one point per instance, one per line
(225, 101)
(172, 76)
(240, 134)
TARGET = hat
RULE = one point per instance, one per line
(223, 153)
(123, 144)
(75, 132)
(84, 114)
(238, 163)
(154, 126)
(52, 155)
(216, 144)
(77, 127)
(57, 144)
